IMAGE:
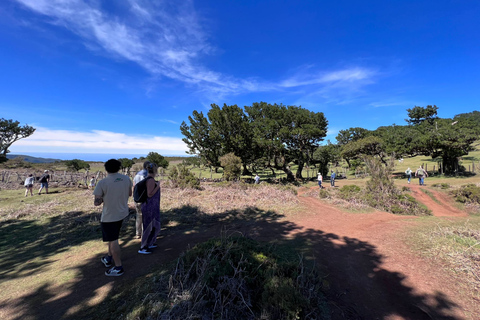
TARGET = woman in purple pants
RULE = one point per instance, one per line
(151, 212)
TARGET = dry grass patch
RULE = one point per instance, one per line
(455, 244)
(222, 198)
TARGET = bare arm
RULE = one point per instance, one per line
(98, 200)
(152, 187)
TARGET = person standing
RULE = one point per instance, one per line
(332, 178)
(257, 179)
(421, 174)
(92, 183)
(142, 174)
(151, 212)
(320, 179)
(113, 191)
(29, 184)
(408, 172)
(44, 179)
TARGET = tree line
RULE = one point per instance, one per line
(274, 136)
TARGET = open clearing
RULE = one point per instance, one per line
(373, 272)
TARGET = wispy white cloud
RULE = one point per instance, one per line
(167, 39)
(97, 141)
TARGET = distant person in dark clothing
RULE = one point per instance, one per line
(44, 179)
(332, 178)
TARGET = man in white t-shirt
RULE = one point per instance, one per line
(142, 174)
(113, 191)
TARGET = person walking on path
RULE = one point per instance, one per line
(29, 184)
(142, 174)
(408, 172)
(421, 174)
(320, 180)
(44, 179)
(113, 191)
(151, 212)
(332, 178)
(257, 179)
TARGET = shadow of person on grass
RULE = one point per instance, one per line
(360, 287)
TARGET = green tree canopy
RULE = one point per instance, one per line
(10, 132)
(369, 146)
(286, 134)
(158, 159)
(201, 140)
(417, 115)
(127, 164)
(77, 165)
(324, 155)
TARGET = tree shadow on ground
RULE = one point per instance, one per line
(360, 287)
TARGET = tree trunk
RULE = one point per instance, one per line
(298, 174)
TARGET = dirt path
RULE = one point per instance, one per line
(441, 208)
(372, 274)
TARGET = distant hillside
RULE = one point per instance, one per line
(32, 159)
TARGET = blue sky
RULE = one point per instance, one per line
(119, 77)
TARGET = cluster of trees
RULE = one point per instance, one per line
(262, 135)
(445, 140)
(274, 136)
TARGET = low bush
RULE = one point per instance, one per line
(181, 177)
(441, 185)
(349, 191)
(323, 194)
(469, 193)
(239, 278)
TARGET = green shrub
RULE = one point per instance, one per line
(469, 193)
(349, 191)
(239, 278)
(181, 177)
(323, 194)
(232, 166)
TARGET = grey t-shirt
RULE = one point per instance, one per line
(115, 190)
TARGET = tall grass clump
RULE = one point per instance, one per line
(234, 277)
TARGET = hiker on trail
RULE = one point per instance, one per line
(44, 179)
(151, 212)
(113, 191)
(29, 184)
(332, 178)
(421, 174)
(320, 180)
(408, 172)
(92, 183)
(257, 179)
(142, 174)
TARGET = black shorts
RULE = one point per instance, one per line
(111, 230)
(29, 186)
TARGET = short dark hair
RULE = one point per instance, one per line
(145, 164)
(113, 165)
